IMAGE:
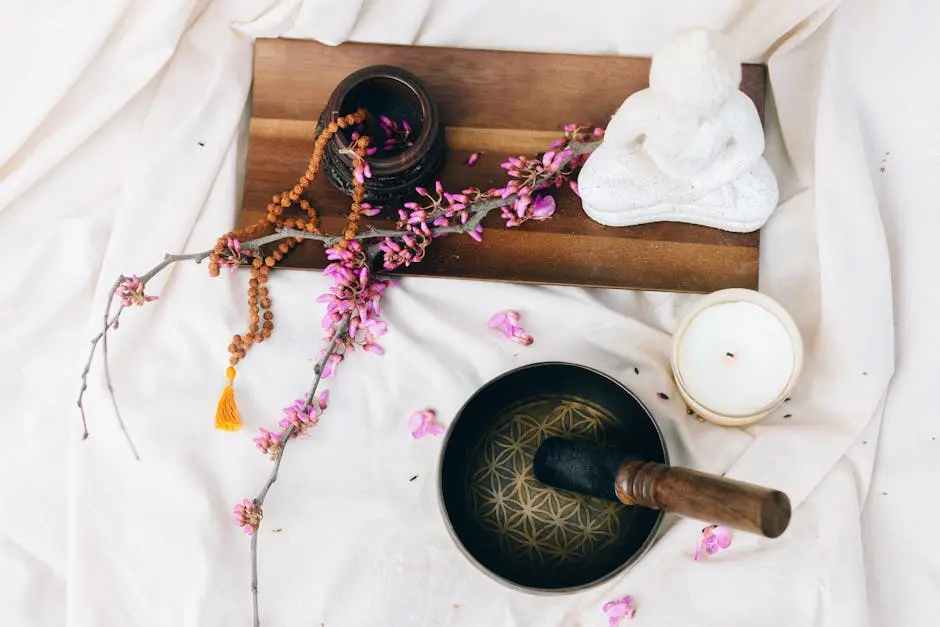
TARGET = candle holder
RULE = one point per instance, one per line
(736, 356)
(397, 94)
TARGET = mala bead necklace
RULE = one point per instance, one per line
(260, 316)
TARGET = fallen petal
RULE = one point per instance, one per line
(497, 320)
(722, 535)
(416, 425)
(619, 610)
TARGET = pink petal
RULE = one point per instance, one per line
(497, 319)
(722, 535)
(416, 425)
(434, 428)
(619, 609)
(698, 550)
(543, 207)
(473, 158)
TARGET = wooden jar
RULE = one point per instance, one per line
(398, 94)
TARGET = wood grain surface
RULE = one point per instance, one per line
(497, 103)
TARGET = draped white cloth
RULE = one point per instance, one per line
(122, 137)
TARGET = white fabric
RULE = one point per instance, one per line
(122, 136)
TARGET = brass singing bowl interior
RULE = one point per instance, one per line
(526, 534)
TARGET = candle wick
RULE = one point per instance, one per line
(731, 355)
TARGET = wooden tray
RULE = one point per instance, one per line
(498, 103)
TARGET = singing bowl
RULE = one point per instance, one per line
(527, 535)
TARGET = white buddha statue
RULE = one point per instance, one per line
(687, 149)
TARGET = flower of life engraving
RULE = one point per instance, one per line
(530, 521)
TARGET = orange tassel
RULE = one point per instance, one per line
(226, 415)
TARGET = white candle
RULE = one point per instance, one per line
(736, 356)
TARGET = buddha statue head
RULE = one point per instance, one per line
(696, 72)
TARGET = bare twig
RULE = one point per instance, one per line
(258, 501)
(254, 572)
(478, 211)
(87, 369)
(583, 148)
(107, 368)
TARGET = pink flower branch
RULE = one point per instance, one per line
(352, 316)
(339, 331)
(476, 211)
